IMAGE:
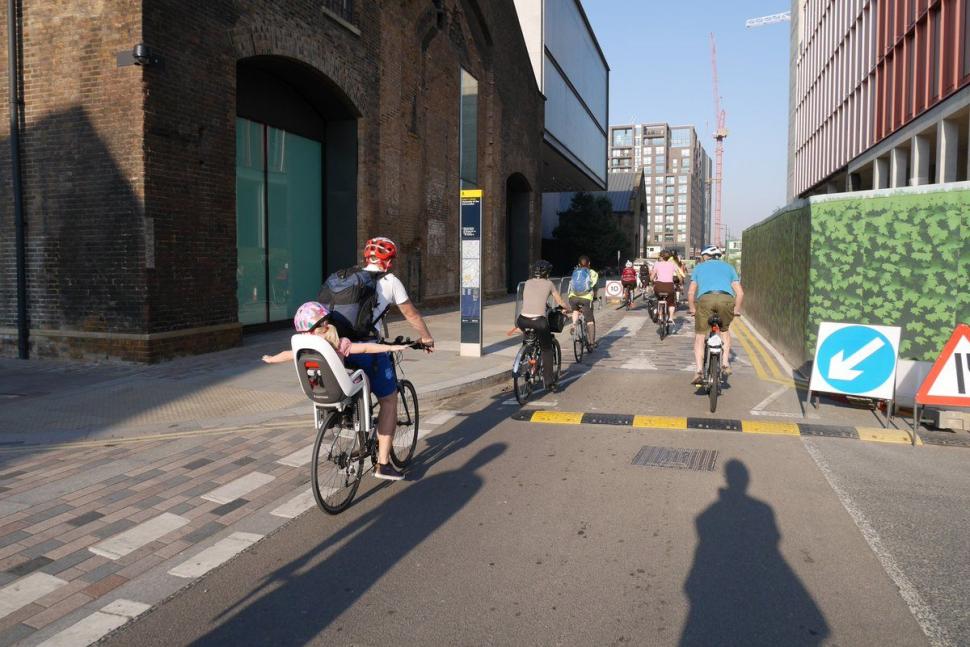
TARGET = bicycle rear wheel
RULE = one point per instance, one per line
(523, 382)
(663, 325)
(714, 374)
(337, 463)
(406, 432)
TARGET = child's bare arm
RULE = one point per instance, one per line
(371, 349)
(278, 358)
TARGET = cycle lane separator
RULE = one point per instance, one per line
(759, 427)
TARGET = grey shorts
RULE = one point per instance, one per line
(583, 305)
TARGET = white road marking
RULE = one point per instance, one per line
(142, 534)
(215, 555)
(439, 418)
(97, 625)
(10, 507)
(785, 414)
(296, 506)
(627, 327)
(639, 364)
(240, 487)
(299, 458)
(22, 592)
(771, 398)
(924, 615)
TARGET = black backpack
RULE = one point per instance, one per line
(351, 296)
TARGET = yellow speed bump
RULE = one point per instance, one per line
(557, 417)
(880, 435)
(767, 427)
(660, 422)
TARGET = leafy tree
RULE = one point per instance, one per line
(590, 227)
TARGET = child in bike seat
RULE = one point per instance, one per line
(311, 319)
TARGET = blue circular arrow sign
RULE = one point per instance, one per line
(856, 359)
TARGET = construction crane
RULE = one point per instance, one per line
(720, 134)
(784, 16)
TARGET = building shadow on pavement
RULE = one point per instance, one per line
(740, 588)
(300, 600)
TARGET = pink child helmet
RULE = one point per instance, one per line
(309, 316)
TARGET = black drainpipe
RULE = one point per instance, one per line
(18, 202)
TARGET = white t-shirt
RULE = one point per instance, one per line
(390, 291)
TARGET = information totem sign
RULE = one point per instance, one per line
(471, 273)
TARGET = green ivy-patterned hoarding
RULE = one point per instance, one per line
(899, 258)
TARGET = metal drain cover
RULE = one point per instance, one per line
(699, 460)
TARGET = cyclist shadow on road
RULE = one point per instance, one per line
(741, 589)
(300, 600)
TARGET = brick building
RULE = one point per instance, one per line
(211, 182)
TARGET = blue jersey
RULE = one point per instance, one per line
(714, 276)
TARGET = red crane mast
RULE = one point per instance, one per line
(720, 134)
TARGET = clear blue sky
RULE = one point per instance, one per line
(660, 70)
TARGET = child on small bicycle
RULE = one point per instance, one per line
(311, 319)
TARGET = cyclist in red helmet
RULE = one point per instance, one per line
(379, 254)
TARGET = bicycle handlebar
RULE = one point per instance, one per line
(400, 340)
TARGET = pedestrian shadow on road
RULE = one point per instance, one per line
(741, 589)
(300, 600)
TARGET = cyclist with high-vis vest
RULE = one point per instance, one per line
(582, 289)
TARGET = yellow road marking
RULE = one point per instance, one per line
(767, 427)
(557, 417)
(660, 422)
(763, 353)
(753, 358)
(750, 343)
(880, 435)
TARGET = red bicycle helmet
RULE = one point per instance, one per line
(383, 249)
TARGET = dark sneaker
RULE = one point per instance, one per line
(387, 472)
(554, 387)
(698, 379)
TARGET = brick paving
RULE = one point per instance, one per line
(101, 464)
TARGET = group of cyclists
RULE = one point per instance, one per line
(714, 289)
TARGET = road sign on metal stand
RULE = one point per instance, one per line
(471, 273)
(856, 360)
(948, 382)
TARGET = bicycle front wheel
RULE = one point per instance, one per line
(406, 432)
(337, 463)
(556, 359)
(579, 345)
(714, 374)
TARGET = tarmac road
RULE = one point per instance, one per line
(516, 533)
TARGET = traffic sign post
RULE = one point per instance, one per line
(614, 290)
(948, 382)
(856, 360)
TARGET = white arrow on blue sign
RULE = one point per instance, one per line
(856, 359)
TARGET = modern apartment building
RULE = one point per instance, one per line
(879, 95)
(677, 173)
(573, 75)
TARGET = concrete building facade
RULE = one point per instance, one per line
(574, 77)
(210, 179)
(677, 173)
(879, 95)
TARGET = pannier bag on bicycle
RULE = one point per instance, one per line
(557, 320)
(351, 295)
(581, 282)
